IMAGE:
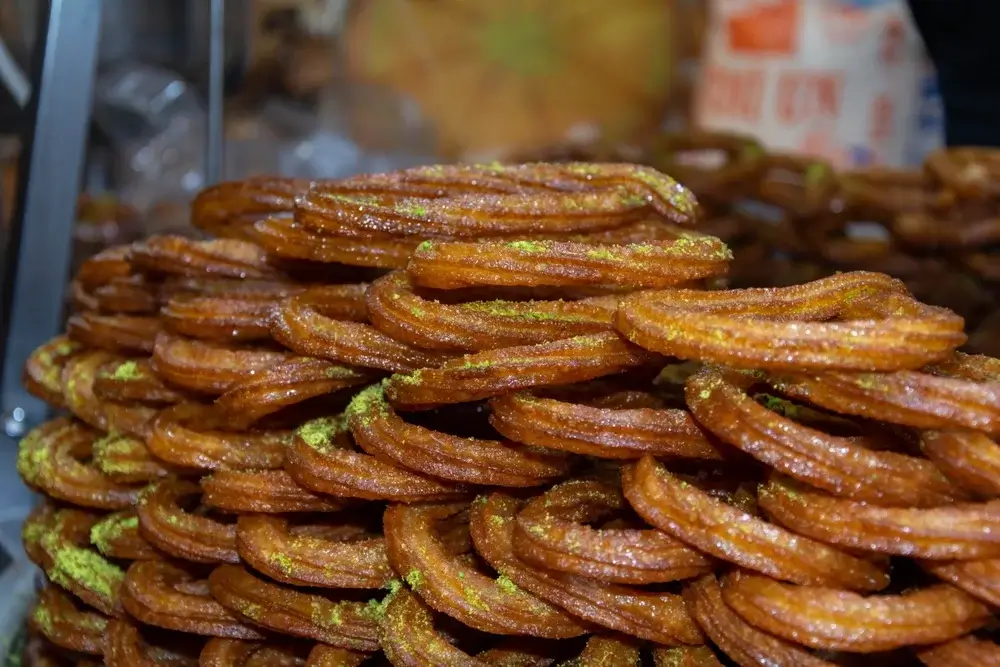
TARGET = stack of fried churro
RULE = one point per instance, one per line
(501, 415)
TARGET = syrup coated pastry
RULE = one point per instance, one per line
(125, 459)
(208, 367)
(654, 264)
(324, 459)
(134, 295)
(743, 160)
(655, 616)
(845, 467)
(968, 651)
(396, 310)
(452, 586)
(684, 511)
(126, 645)
(381, 432)
(104, 267)
(228, 210)
(43, 370)
(125, 334)
(191, 536)
(316, 555)
(159, 594)
(340, 623)
(233, 317)
(117, 536)
(315, 323)
(979, 578)
(283, 237)
(265, 491)
(134, 380)
(79, 376)
(218, 258)
(61, 620)
(220, 652)
(553, 532)
(63, 553)
(830, 619)
(493, 372)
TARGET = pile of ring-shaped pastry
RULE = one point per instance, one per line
(496, 415)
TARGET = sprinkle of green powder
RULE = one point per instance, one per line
(110, 529)
(415, 578)
(319, 433)
(33, 459)
(528, 246)
(408, 378)
(128, 370)
(601, 253)
(367, 403)
(326, 617)
(282, 562)
(43, 619)
(425, 246)
(507, 586)
(375, 609)
(74, 564)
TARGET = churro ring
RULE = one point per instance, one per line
(209, 368)
(882, 193)
(381, 432)
(74, 526)
(553, 533)
(53, 458)
(962, 652)
(323, 458)
(44, 368)
(219, 258)
(126, 334)
(132, 295)
(979, 578)
(266, 491)
(310, 324)
(397, 311)
(971, 460)
(844, 467)
(285, 238)
(159, 594)
(850, 321)
(686, 656)
(165, 523)
(59, 619)
(220, 652)
(133, 380)
(494, 372)
(82, 571)
(229, 209)
(654, 264)
(923, 230)
(223, 318)
(339, 623)
(972, 173)
(78, 377)
(731, 534)
(454, 587)
(744, 644)
(104, 266)
(836, 620)
(187, 435)
(284, 384)
(965, 531)
(803, 186)
(324, 556)
(610, 432)
(125, 646)
(117, 536)
(909, 398)
(126, 460)
(729, 163)
(654, 616)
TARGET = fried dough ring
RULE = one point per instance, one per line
(219, 258)
(728, 533)
(308, 324)
(397, 311)
(266, 491)
(52, 458)
(157, 593)
(73, 525)
(312, 556)
(44, 368)
(185, 435)
(718, 400)
(875, 325)
(381, 432)
(963, 652)
(685, 656)
(342, 624)
(117, 536)
(165, 523)
(744, 644)
(494, 372)
(126, 460)
(604, 432)
(229, 209)
(552, 533)
(972, 460)
(284, 237)
(830, 619)
(58, 618)
(133, 380)
(125, 334)
(654, 264)
(224, 318)
(323, 458)
(979, 578)
(967, 531)
(126, 647)
(657, 617)
(104, 266)
(235, 653)
(453, 587)
(909, 398)
(209, 368)
(80, 570)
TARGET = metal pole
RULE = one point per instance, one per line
(216, 75)
(41, 236)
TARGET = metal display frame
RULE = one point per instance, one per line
(36, 257)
